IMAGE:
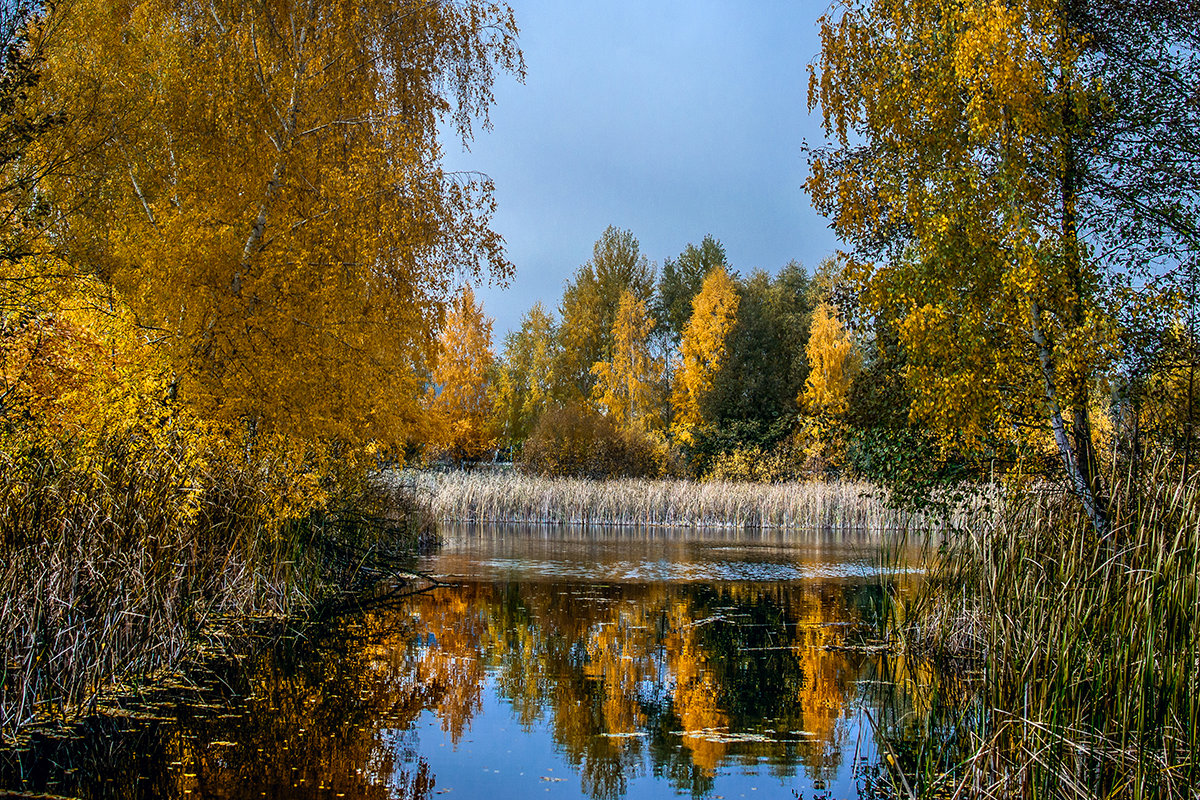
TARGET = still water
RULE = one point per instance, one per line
(549, 664)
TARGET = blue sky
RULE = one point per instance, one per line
(671, 119)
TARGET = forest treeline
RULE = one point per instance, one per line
(691, 370)
(1017, 187)
(694, 370)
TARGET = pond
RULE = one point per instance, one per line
(551, 663)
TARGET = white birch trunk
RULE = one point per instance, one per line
(1079, 483)
(283, 144)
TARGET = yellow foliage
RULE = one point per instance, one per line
(959, 127)
(627, 387)
(459, 401)
(702, 350)
(833, 363)
(83, 373)
(784, 463)
(525, 382)
(589, 309)
(262, 183)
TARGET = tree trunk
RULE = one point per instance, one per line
(283, 144)
(1083, 488)
(1087, 478)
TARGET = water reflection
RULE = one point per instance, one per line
(604, 667)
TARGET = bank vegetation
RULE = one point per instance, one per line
(226, 247)
(1042, 660)
(510, 496)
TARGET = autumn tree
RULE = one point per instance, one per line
(590, 303)
(680, 281)
(525, 383)
(753, 397)
(832, 363)
(960, 132)
(459, 398)
(702, 351)
(262, 184)
(628, 386)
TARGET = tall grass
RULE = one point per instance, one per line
(113, 561)
(1085, 651)
(514, 497)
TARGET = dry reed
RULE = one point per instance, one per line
(110, 570)
(518, 498)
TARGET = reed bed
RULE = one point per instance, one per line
(512, 497)
(115, 564)
(1086, 650)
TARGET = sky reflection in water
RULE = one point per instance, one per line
(585, 665)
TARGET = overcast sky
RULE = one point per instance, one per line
(671, 119)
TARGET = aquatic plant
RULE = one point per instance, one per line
(117, 555)
(513, 497)
(1082, 652)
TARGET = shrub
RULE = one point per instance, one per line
(783, 463)
(576, 441)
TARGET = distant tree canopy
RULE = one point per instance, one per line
(628, 386)
(754, 395)
(525, 383)
(729, 380)
(589, 307)
(460, 403)
(680, 281)
(703, 351)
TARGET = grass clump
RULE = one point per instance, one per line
(117, 554)
(1083, 652)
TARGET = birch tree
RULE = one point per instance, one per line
(832, 365)
(459, 398)
(261, 180)
(702, 351)
(628, 385)
(525, 386)
(959, 133)
(589, 307)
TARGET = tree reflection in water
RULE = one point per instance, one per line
(669, 681)
(683, 676)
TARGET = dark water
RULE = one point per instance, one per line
(553, 665)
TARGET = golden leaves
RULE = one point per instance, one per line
(263, 184)
(954, 123)
(702, 350)
(833, 363)
(627, 386)
(459, 401)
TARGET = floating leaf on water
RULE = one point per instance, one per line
(633, 735)
(723, 736)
